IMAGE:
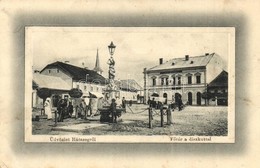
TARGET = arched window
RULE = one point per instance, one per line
(165, 96)
(190, 98)
(198, 98)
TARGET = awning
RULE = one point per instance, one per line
(159, 99)
(155, 94)
(95, 94)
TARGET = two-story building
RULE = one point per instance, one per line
(76, 77)
(187, 76)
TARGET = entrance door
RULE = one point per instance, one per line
(190, 98)
(165, 96)
(198, 98)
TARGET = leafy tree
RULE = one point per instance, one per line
(43, 93)
(75, 93)
(206, 96)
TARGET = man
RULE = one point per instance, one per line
(83, 109)
(113, 111)
(124, 104)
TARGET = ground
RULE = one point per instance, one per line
(192, 121)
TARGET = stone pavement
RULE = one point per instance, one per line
(77, 127)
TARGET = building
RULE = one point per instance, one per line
(97, 67)
(57, 87)
(187, 77)
(218, 89)
(76, 77)
(130, 89)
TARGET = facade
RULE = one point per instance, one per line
(76, 77)
(187, 76)
(129, 89)
(218, 90)
(90, 80)
(57, 87)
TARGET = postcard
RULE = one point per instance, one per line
(129, 84)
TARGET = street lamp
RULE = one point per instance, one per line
(111, 48)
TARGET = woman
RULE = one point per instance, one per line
(47, 108)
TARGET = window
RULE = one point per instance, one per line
(97, 89)
(198, 79)
(189, 80)
(162, 81)
(167, 81)
(179, 80)
(174, 82)
(154, 81)
(58, 71)
(91, 88)
(49, 71)
(85, 87)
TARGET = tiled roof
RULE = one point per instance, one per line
(78, 73)
(177, 63)
(220, 80)
(51, 82)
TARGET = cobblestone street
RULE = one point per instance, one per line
(193, 120)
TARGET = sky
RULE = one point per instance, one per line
(136, 48)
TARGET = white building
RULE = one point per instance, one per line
(187, 76)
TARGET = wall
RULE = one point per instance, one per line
(214, 68)
(61, 74)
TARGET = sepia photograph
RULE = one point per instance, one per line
(130, 84)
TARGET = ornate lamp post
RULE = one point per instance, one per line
(111, 72)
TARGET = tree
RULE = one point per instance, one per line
(75, 93)
(43, 93)
(206, 96)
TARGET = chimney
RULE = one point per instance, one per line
(161, 61)
(206, 54)
(186, 57)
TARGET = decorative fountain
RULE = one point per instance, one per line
(111, 91)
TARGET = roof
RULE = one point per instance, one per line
(97, 65)
(78, 73)
(51, 82)
(128, 85)
(177, 63)
(220, 80)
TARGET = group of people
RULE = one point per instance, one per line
(82, 109)
(157, 104)
(65, 109)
